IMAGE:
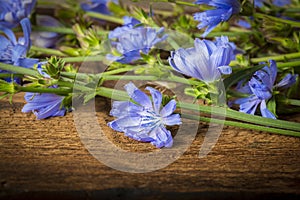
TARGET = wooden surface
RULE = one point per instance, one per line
(46, 159)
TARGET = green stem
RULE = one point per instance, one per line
(292, 10)
(182, 3)
(19, 70)
(293, 102)
(112, 94)
(290, 22)
(276, 58)
(6, 75)
(130, 77)
(47, 51)
(120, 70)
(84, 58)
(58, 91)
(105, 17)
(122, 96)
(85, 76)
(241, 116)
(62, 30)
(229, 34)
(242, 125)
(288, 64)
(172, 78)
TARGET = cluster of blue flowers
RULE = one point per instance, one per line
(142, 118)
(14, 52)
(130, 41)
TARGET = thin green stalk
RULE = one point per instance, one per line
(120, 70)
(172, 78)
(47, 51)
(81, 76)
(122, 96)
(242, 116)
(240, 30)
(76, 86)
(288, 64)
(290, 22)
(118, 95)
(62, 30)
(106, 17)
(242, 125)
(84, 58)
(229, 34)
(6, 75)
(58, 91)
(182, 3)
(130, 77)
(183, 80)
(293, 102)
(276, 58)
(85, 76)
(19, 70)
(292, 10)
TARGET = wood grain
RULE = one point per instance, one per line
(46, 158)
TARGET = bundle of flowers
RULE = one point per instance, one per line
(237, 60)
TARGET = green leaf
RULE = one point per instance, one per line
(272, 105)
(7, 87)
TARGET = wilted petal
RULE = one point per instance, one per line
(287, 81)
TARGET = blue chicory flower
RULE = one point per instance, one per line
(13, 11)
(279, 3)
(133, 41)
(13, 51)
(129, 23)
(260, 89)
(211, 18)
(99, 6)
(207, 61)
(243, 23)
(44, 105)
(145, 120)
(45, 39)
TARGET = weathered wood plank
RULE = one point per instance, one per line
(41, 157)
